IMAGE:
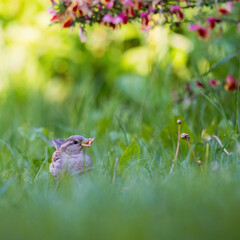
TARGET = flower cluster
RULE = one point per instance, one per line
(204, 30)
(114, 13)
(111, 13)
(230, 84)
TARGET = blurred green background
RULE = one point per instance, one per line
(118, 87)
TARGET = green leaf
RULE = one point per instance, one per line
(132, 152)
(222, 61)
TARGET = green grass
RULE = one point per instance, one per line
(65, 88)
(146, 201)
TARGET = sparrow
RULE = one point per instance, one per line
(69, 156)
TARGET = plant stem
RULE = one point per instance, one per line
(207, 153)
(236, 112)
(178, 144)
(194, 156)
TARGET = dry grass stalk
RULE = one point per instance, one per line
(178, 144)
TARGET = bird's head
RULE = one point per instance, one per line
(72, 145)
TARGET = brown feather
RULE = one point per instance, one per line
(55, 156)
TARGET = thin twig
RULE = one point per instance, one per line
(194, 156)
(220, 143)
(186, 137)
(178, 144)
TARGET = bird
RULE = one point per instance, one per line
(70, 157)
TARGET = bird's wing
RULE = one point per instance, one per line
(57, 143)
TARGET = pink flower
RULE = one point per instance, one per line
(110, 4)
(213, 82)
(76, 9)
(54, 18)
(229, 6)
(146, 28)
(194, 27)
(128, 3)
(145, 19)
(107, 18)
(199, 84)
(67, 22)
(227, 9)
(202, 31)
(124, 17)
(52, 12)
(175, 8)
(143, 14)
(128, 6)
(151, 9)
(117, 20)
(238, 26)
(130, 12)
(137, 4)
(177, 11)
(188, 88)
(230, 83)
(212, 22)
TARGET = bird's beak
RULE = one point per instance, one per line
(87, 142)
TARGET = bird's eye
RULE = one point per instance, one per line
(75, 142)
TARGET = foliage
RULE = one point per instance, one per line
(114, 13)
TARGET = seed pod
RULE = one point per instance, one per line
(199, 162)
(185, 136)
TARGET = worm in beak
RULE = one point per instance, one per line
(87, 142)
